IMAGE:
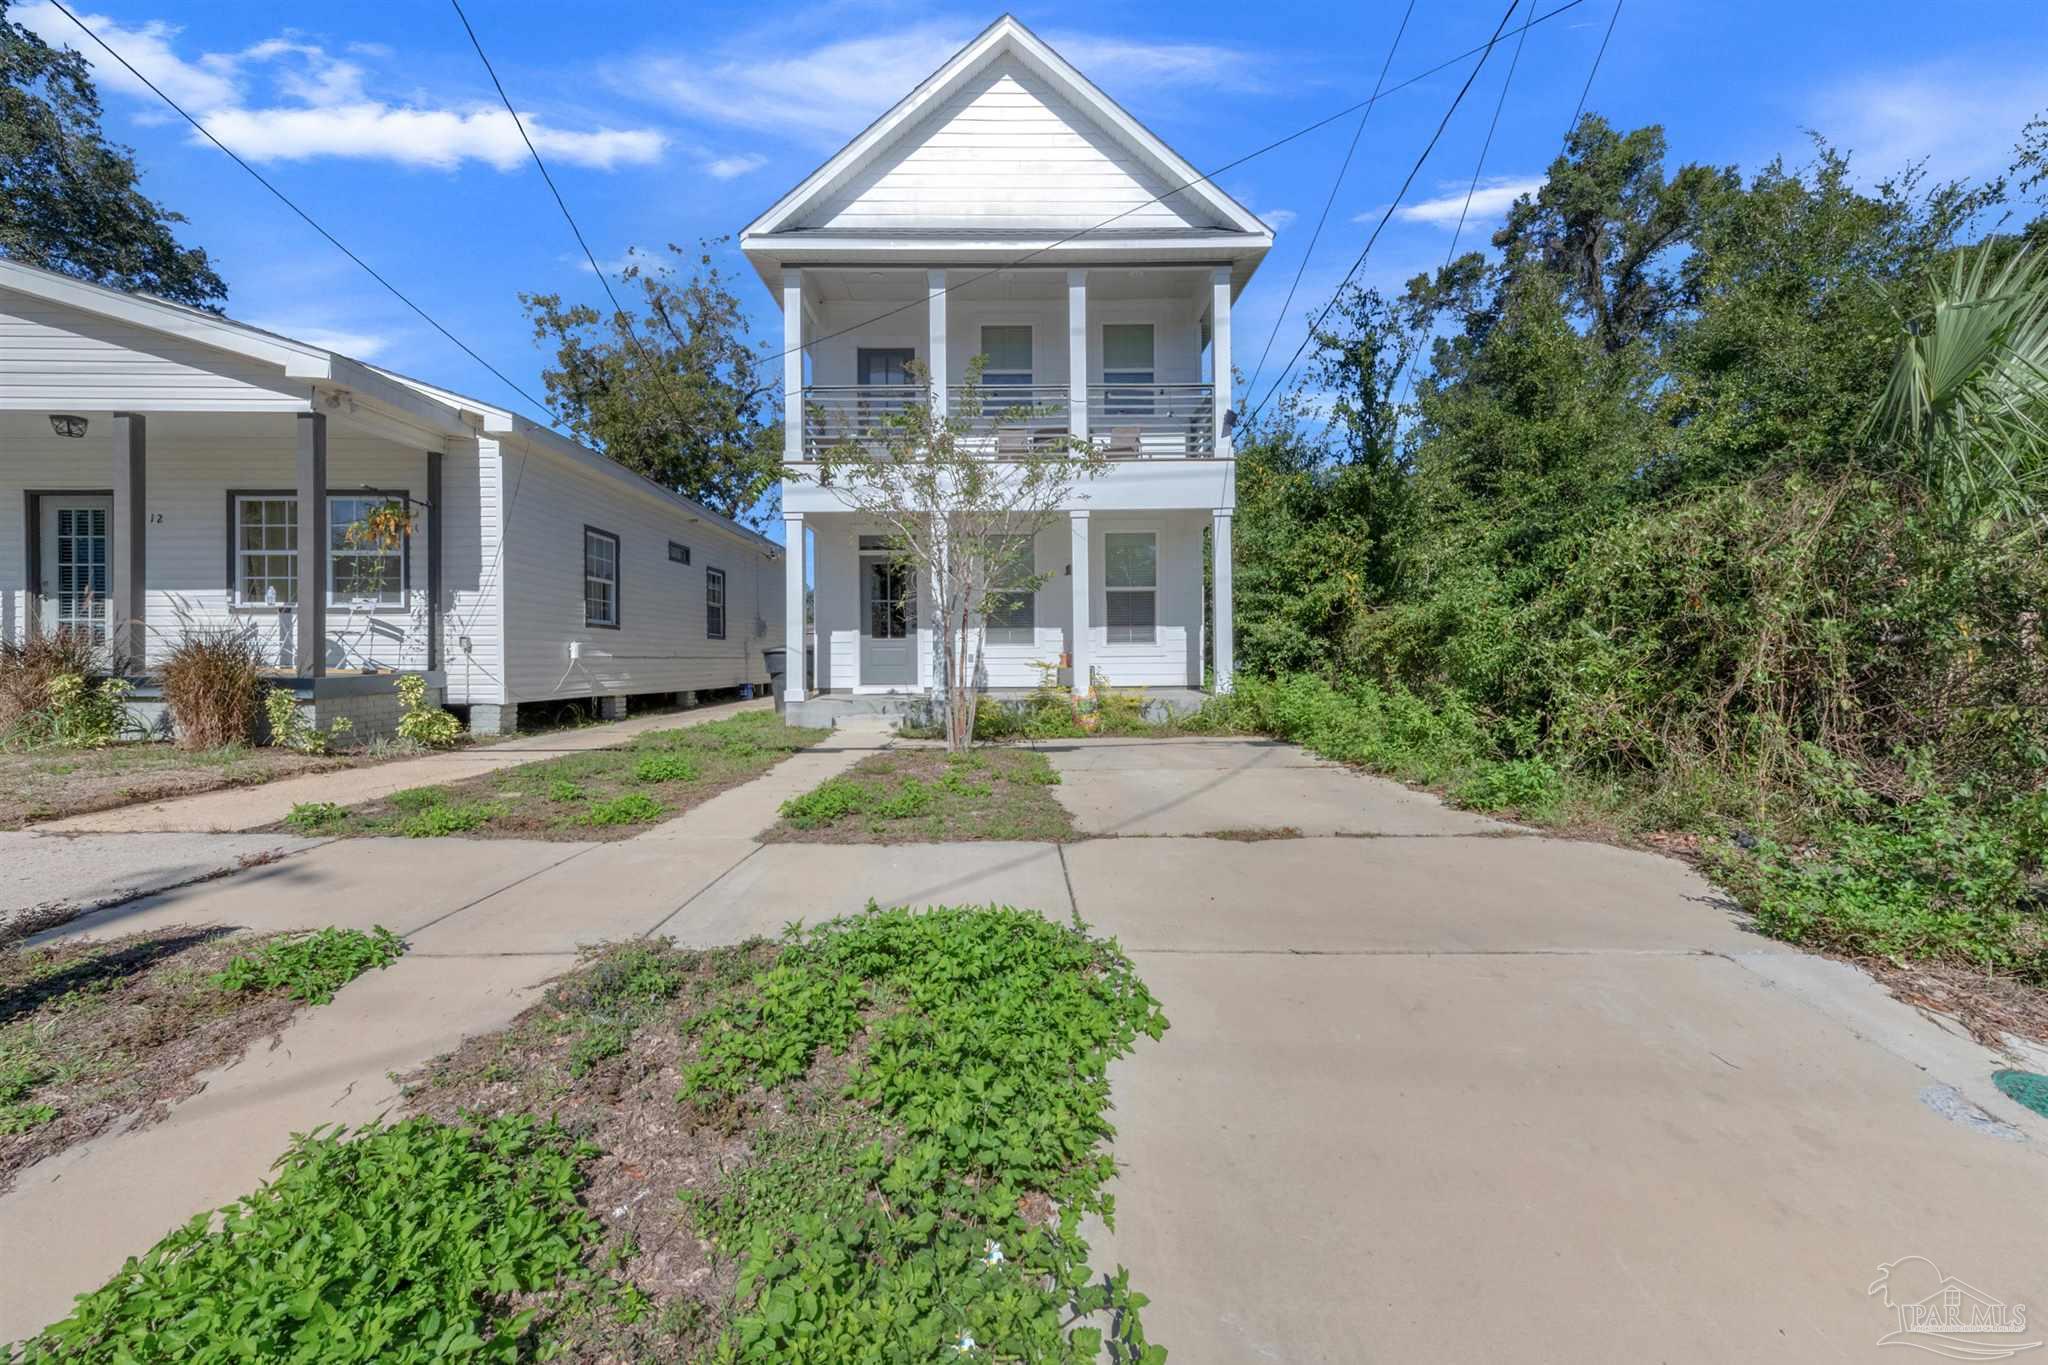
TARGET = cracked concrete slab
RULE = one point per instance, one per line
(1173, 787)
(61, 875)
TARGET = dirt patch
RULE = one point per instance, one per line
(601, 794)
(1254, 834)
(97, 1033)
(1992, 1008)
(49, 784)
(603, 1053)
(925, 795)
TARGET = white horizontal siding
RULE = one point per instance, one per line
(661, 644)
(472, 484)
(1006, 151)
(56, 358)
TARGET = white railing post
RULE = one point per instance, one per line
(935, 294)
(1077, 353)
(1219, 345)
(794, 634)
(792, 365)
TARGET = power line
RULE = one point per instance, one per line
(1478, 168)
(1274, 145)
(1413, 171)
(1335, 185)
(286, 200)
(1595, 68)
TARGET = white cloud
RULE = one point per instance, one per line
(1278, 219)
(828, 92)
(1489, 202)
(1961, 117)
(356, 345)
(732, 167)
(314, 104)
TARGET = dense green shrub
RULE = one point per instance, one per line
(289, 728)
(425, 725)
(55, 689)
(415, 1242)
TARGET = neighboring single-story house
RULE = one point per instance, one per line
(164, 469)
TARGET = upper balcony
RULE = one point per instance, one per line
(1124, 358)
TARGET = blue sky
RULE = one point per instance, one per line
(668, 123)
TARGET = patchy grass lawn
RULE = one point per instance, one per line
(94, 1032)
(602, 794)
(48, 784)
(925, 795)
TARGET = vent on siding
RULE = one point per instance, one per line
(678, 553)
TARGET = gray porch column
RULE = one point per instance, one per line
(311, 652)
(1078, 557)
(794, 634)
(127, 637)
(1221, 611)
(434, 579)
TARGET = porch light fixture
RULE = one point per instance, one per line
(66, 425)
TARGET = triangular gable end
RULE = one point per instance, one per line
(1006, 136)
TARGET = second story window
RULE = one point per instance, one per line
(1127, 368)
(1006, 352)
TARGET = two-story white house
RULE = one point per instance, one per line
(1008, 209)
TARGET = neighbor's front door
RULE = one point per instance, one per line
(888, 623)
(78, 545)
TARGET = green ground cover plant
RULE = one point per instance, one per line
(875, 1140)
(431, 1237)
(601, 794)
(311, 967)
(926, 795)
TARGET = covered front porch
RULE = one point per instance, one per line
(1121, 603)
(316, 536)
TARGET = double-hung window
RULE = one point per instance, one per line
(361, 565)
(1011, 607)
(600, 578)
(714, 604)
(1131, 583)
(266, 550)
(1127, 369)
(1006, 356)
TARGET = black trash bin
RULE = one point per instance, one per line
(778, 665)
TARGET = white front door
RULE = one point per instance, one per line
(77, 542)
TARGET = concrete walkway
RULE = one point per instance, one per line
(1434, 1090)
(245, 808)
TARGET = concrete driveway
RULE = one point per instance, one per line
(1436, 1089)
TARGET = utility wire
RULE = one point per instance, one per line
(1335, 185)
(1451, 253)
(1274, 145)
(1595, 68)
(286, 200)
(1413, 171)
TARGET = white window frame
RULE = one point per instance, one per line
(335, 554)
(716, 576)
(616, 582)
(1013, 632)
(1111, 592)
(238, 554)
(994, 378)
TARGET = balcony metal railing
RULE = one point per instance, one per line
(1126, 421)
(1153, 421)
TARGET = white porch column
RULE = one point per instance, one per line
(1219, 347)
(1220, 609)
(935, 359)
(1077, 352)
(792, 365)
(794, 633)
(1078, 553)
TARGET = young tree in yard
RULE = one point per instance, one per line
(68, 197)
(956, 515)
(675, 394)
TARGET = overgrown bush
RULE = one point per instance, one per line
(426, 725)
(213, 687)
(56, 689)
(422, 1241)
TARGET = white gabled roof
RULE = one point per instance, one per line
(1199, 208)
